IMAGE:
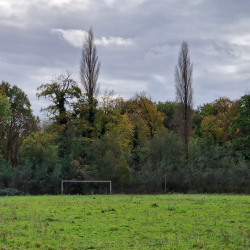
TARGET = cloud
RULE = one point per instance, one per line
(138, 43)
(63, 3)
(242, 40)
(114, 41)
(75, 38)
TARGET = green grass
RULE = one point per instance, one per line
(125, 222)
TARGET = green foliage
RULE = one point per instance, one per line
(164, 151)
(105, 160)
(241, 125)
(208, 109)
(80, 115)
(5, 113)
(206, 154)
(59, 92)
(22, 122)
(197, 119)
(167, 108)
(160, 158)
(214, 119)
(220, 105)
(40, 168)
(5, 173)
(39, 148)
(216, 168)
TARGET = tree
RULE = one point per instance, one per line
(167, 108)
(184, 94)
(5, 113)
(217, 119)
(40, 168)
(22, 122)
(241, 126)
(122, 130)
(89, 66)
(105, 160)
(89, 72)
(144, 113)
(6, 173)
(59, 91)
(212, 126)
(160, 161)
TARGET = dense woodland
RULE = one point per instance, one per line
(140, 145)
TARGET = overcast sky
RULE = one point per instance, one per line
(138, 43)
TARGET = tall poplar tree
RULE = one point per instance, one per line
(184, 95)
(89, 73)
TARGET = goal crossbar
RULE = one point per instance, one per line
(110, 187)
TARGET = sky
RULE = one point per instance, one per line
(138, 43)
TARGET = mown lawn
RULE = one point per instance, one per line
(125, 222)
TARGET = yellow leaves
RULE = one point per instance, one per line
(142, 129)
(212, 125)
(145, 115)
(62, 128)
(40, 138)
(118, 118)
(123, 131)
(113, 122)
(110, 104)
(218, 119)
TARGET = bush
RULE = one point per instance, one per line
(160, 160)
(11, 192)
(40, 168)
(106, 161)
(5, 173)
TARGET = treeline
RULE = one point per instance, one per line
(141, 146)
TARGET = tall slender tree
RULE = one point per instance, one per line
(89, 72)
(184, 94)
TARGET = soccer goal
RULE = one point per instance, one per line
(65, 181)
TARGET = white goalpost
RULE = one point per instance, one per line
(110, 188)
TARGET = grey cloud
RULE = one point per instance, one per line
(217, 33)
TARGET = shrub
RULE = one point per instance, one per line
(11, 192)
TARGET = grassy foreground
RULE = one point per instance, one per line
(125, 222)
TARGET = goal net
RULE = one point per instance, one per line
(85, 187)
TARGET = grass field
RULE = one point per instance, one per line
(125, 222)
